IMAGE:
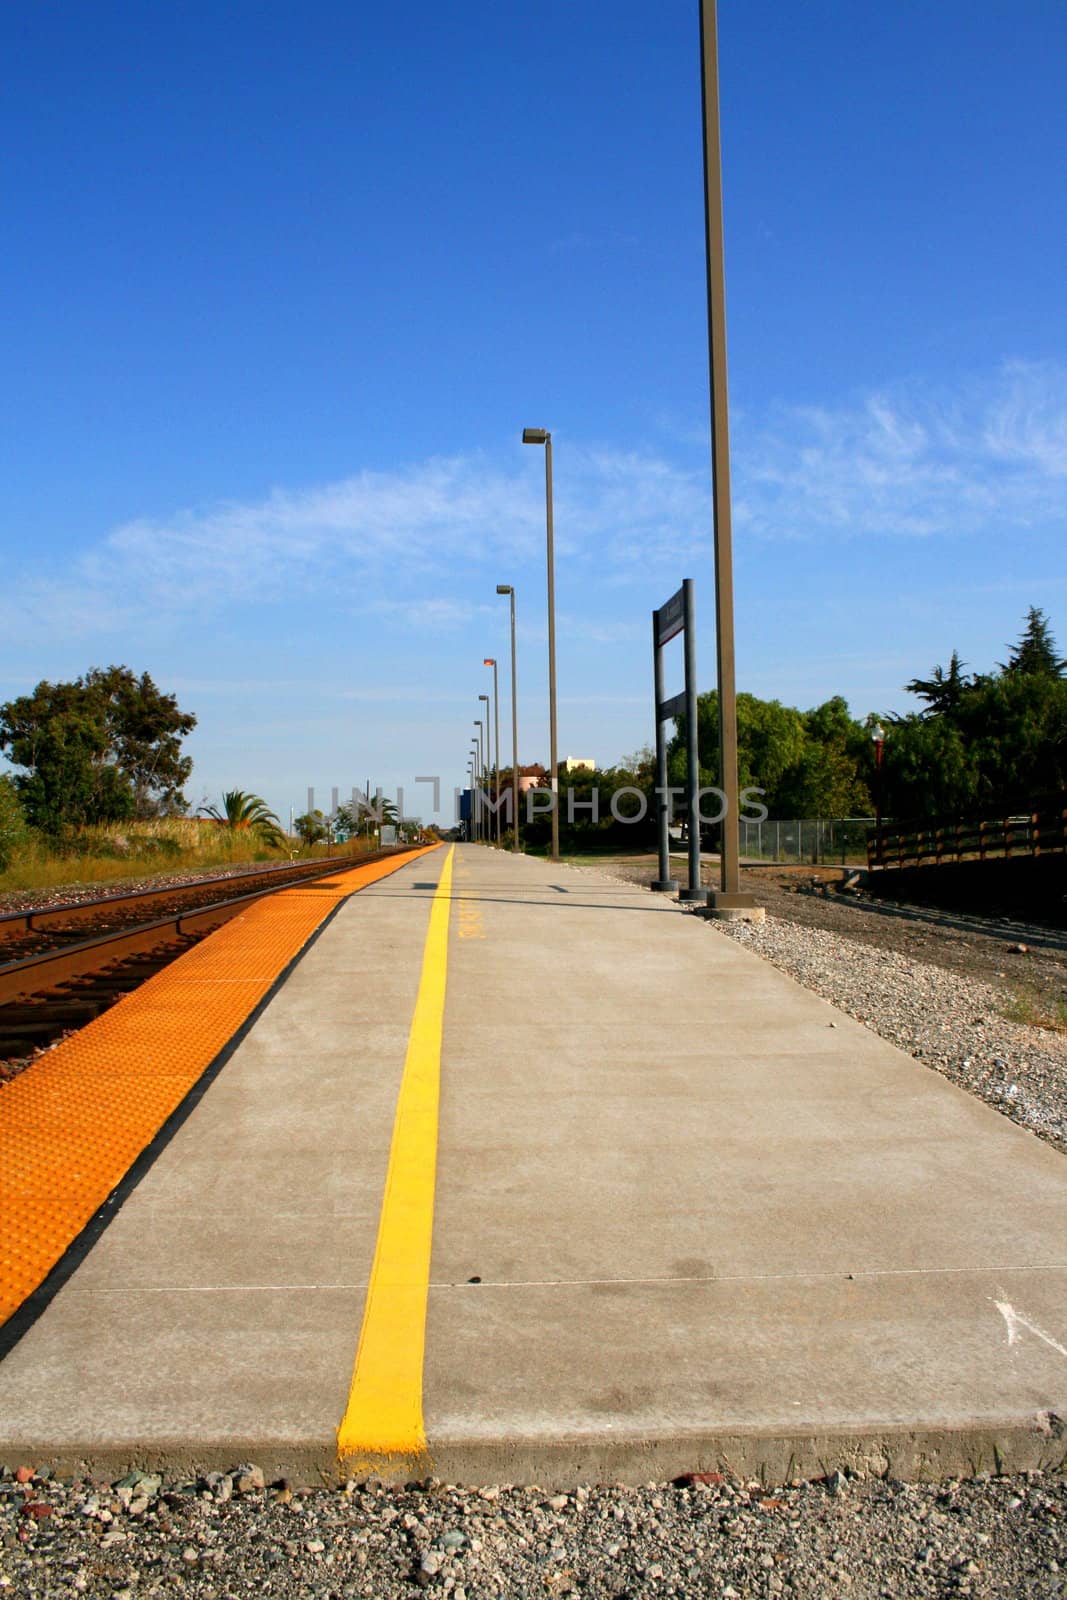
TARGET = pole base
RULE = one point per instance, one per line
(738, 906)
(694, 897)
(665, 886)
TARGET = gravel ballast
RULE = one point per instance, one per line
(224, 1536)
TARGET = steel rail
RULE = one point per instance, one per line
(48, 970)
(36, 918)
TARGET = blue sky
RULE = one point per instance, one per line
(281, 285)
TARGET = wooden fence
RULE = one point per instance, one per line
(1033, 833)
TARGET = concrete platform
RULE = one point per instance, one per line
(681, 1222)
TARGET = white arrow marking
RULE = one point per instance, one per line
(1015, 1320)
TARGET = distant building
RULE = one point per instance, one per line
(578, 764)
(529, 778)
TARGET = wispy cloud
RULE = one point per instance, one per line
(910, 461)
(907, 462)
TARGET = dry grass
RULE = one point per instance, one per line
(1036, 1011)
(137, 849)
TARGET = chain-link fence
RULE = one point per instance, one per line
(823, 841)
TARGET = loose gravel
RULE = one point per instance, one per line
(70, 894)
(227, 1536)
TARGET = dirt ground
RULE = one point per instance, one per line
(1028, 964)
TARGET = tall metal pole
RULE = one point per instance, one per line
(506, 588)
(496, 736)
(542, 436)
(694, 893)
(664, 884)
(488, 759)
(729, 896)
(552, 654)
(474, 793)
(483, 735)
(514, 733)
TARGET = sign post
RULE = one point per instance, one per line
(678, 616)
(664, 884)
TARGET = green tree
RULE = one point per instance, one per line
(1015, 726)
(1036, 652)
(928, 769)
(830, 779)
(101, 749)
(943, 691)
(807, 763)
(59, 736)
(13, 829)
(311, 827)
(145, 732)
(241, 812)
(356, 818)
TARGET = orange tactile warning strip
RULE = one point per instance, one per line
(73, 1124)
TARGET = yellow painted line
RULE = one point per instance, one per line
(74, 1122)
(384, 1412)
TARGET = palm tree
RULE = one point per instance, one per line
(364, 818)
(241, 812)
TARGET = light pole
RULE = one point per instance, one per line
(475, 807)
(470, 808)
(878, 740)
(729, 898)
(489, 662)
(481, 766)
(506, 588)
(488, 761)
(542, 436)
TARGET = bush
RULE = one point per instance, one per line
(13, 827)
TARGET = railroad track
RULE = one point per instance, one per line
(71, 962)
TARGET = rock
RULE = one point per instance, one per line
(23, 1474)
(248, 1478)
(453, 1539)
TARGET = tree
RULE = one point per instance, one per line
(13, 830)
(59, 735)
(808, 763)
(363, 817)
(102, 749)
(943, 691)
(145, 729)
(1015, 726)
(1036, 651)
(641, 765)
(241, 812)
(928, 769)
(311, 827)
